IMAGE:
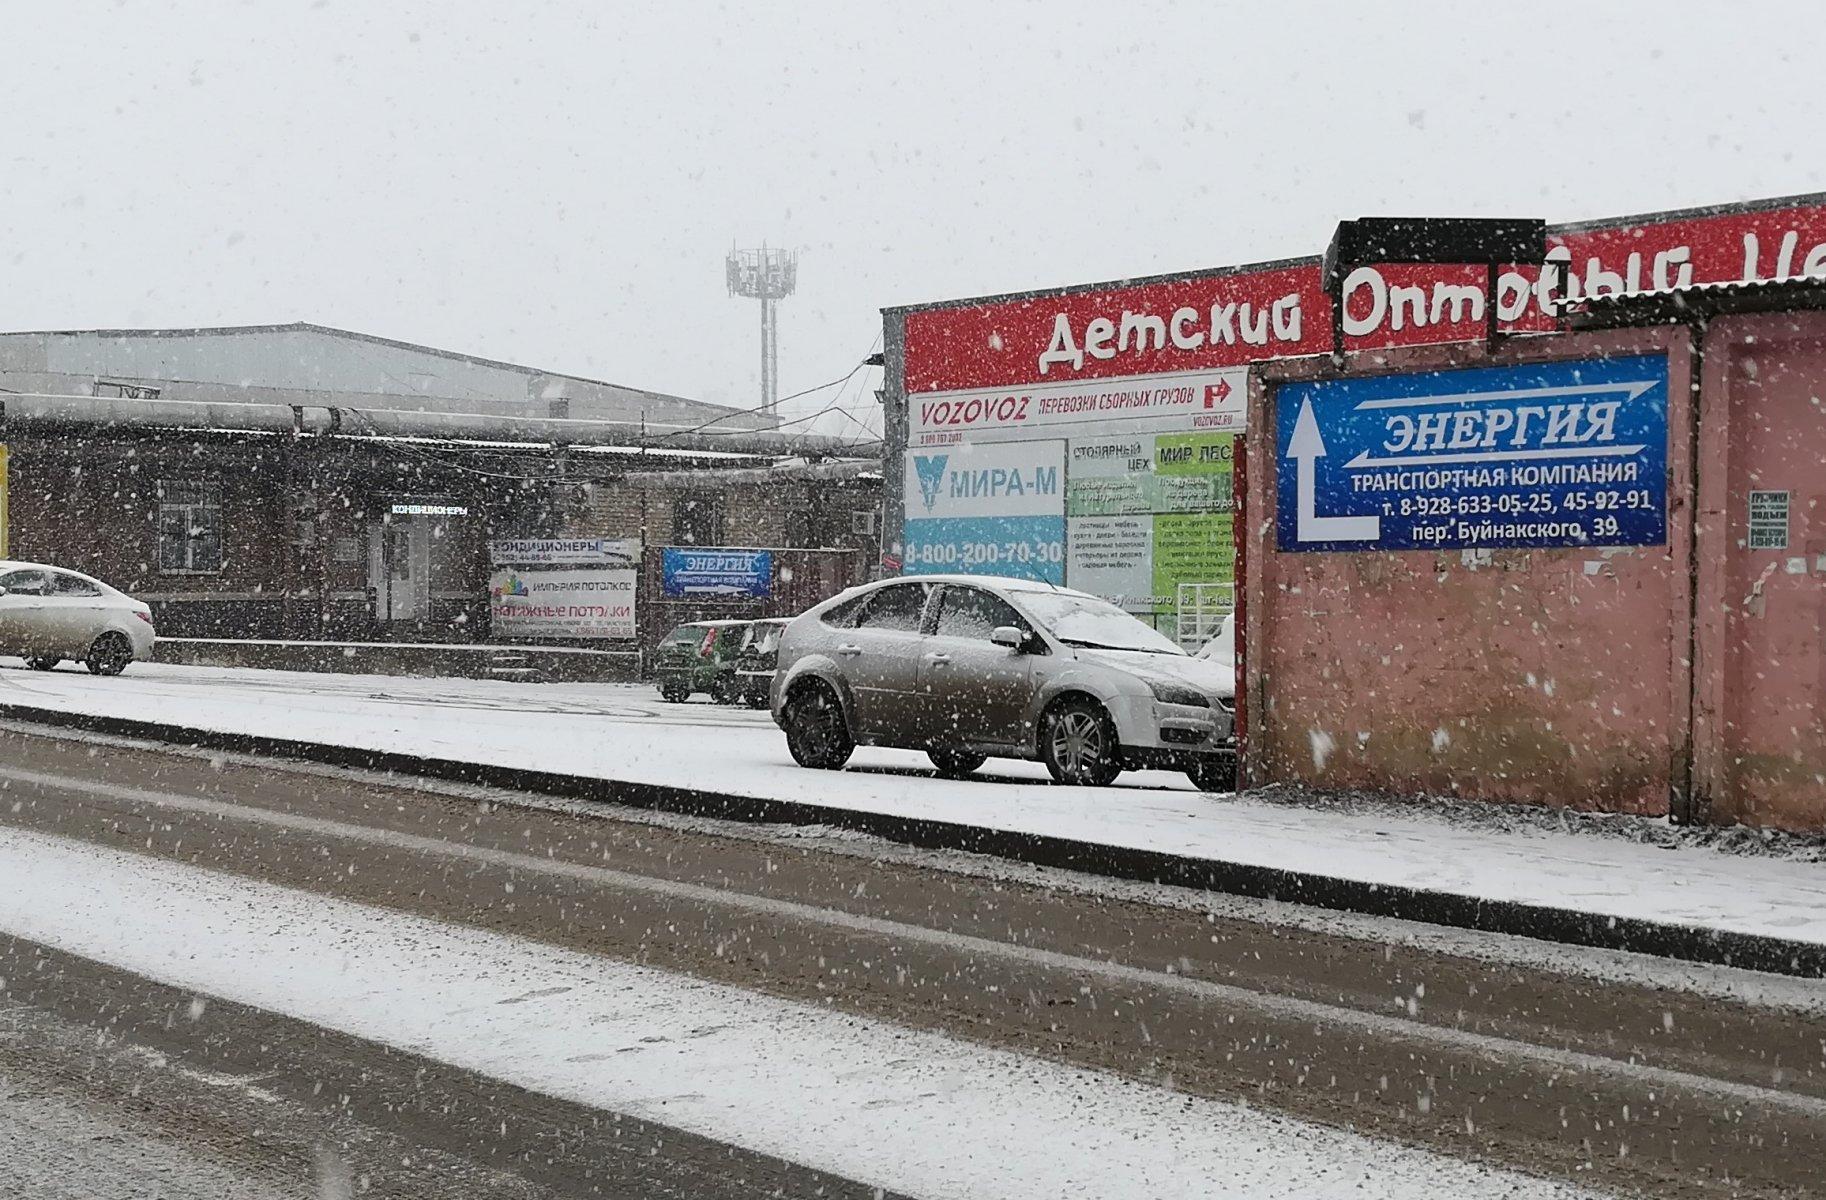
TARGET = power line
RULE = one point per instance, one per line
(839, 382)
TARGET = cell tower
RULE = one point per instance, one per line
(768, 276)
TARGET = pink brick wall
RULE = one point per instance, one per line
(1761, 715)
(1547, 676)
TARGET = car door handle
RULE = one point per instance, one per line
(939, 660)
(849, 651)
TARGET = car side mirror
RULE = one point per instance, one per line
(1009, 636)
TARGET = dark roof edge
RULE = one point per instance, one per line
(1674, 305)
(375, 339)
(1672, 214)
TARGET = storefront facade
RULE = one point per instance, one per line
(1570, 642)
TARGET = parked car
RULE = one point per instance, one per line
(970, 667)
(756, 661)
(1221, 649)
(699, 657)
(48, 614)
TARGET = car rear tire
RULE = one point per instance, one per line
(1078, 744)
(43, 663)
(723, 691)
(757, 700)
(1214, 775)
(817, 732)
(956, 764)
(109, 654)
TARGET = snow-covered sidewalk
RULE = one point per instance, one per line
(628, 734)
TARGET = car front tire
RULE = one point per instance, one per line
(109, 654)
(955, 764)
(1078, 744)
(43, 663)
(817, 732)
(1214, 775)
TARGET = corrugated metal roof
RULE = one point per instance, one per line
(1665, 305)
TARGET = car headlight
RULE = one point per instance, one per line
(1178, 693)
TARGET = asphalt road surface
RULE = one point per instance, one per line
(1612, 1078)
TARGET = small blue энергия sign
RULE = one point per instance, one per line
(1544, 454)
(710, 571)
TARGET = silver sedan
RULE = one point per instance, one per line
(48, 614)
(970, 667)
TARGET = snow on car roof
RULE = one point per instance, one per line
(13, 564)
(1013, 583)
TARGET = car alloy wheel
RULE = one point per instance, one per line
(817, 733)
(110, 654)
(1079, 745)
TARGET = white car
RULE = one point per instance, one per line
(1222, 648)
(48, 614)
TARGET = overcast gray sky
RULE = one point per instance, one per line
(556, 183)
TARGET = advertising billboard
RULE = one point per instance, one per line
(711, 571)
(987, 509)
(600, 552)
(1568, 453)
(1149, 514)
(1228, 318)
(562, 604)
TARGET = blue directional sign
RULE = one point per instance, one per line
(1567, 453)
(713, 571)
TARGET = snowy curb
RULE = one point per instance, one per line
(1541, 922)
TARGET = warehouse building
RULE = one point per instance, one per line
(300, 482)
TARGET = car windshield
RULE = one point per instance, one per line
(1088, 622)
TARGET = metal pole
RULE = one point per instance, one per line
(770, 364)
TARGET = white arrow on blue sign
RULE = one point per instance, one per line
(1540, 455)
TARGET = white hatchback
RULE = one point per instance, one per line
(48, 614)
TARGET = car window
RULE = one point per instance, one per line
(24, 583)
(897, 606)
(685, 634)
(64, 584)
(967, 612)
(843, 616)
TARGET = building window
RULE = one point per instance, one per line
(190, 528)
(126, 391)
(697, 519)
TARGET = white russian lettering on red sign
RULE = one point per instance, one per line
(1230, 319)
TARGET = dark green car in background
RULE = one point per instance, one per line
(754, 665)
(700, 657)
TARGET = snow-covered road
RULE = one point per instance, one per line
(627, 733)
(909, 1111)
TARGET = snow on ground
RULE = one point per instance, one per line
(52, 1148)
(627, 733)
(904, 1110)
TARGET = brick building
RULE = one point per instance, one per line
(291, 482)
